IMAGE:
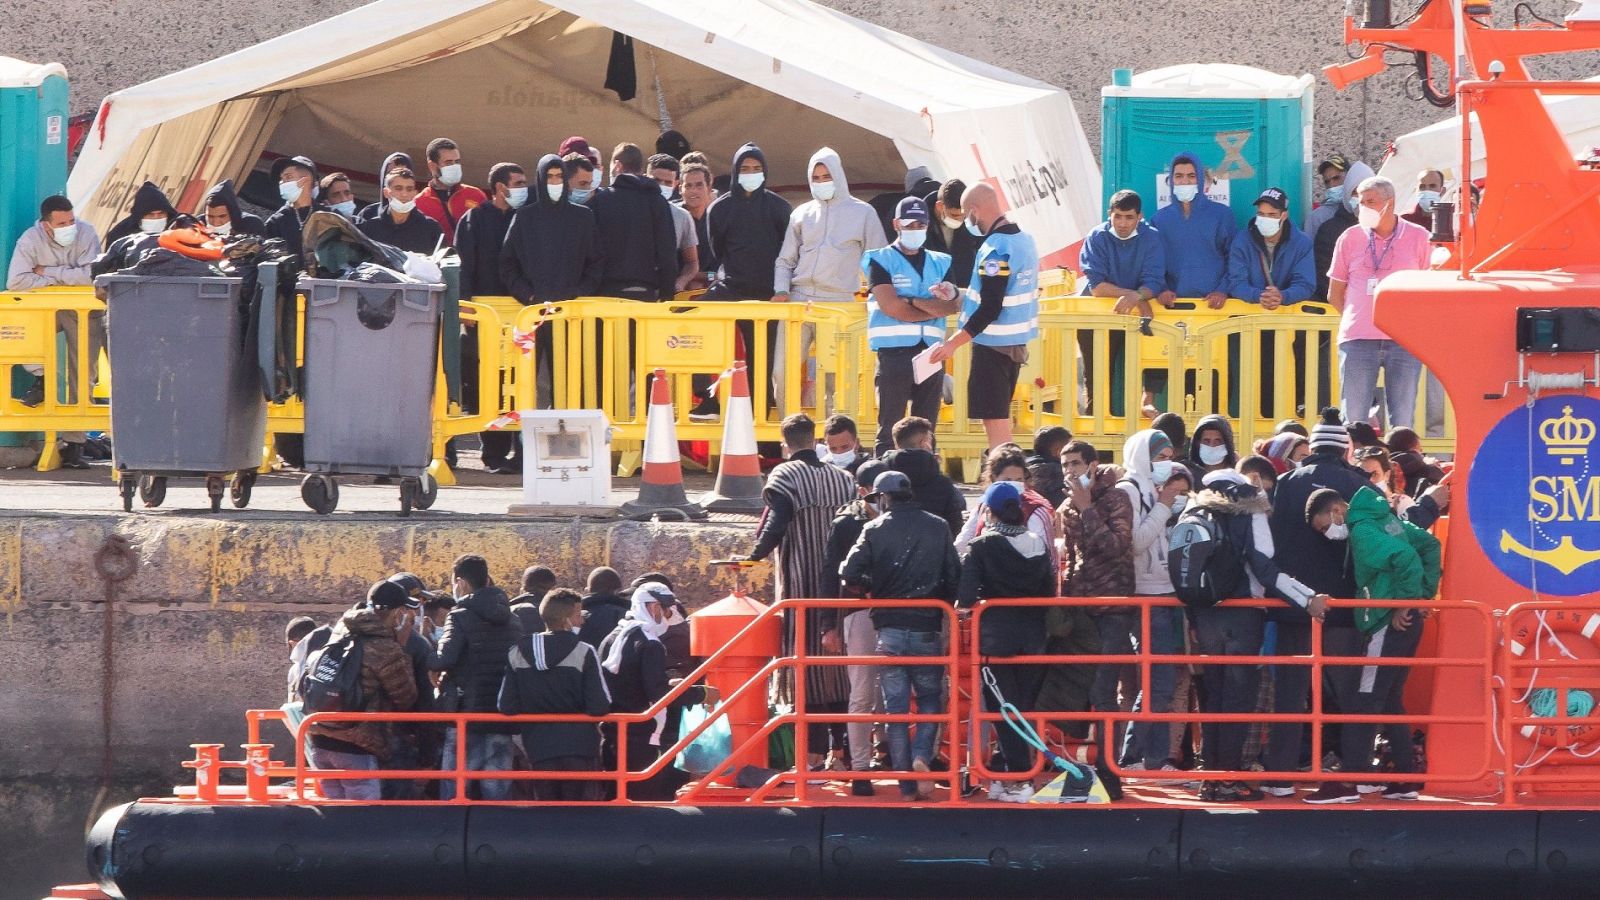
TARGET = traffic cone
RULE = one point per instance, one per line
(739, 479)
(661, 488)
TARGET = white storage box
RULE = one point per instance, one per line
(566, 463)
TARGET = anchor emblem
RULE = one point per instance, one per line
(1564, 557)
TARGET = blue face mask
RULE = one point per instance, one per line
(579, 195)
(973, 229)
(516, 196)
(1333, 194)
(346, 208)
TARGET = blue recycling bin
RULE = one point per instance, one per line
(1251, 128)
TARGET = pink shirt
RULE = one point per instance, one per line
(1361, 259)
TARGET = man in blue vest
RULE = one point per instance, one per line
(906, 312)
(999, 315)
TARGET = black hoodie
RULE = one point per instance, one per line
(935, 492)
(243, 223)
(746, 230)
(1220, 425)
(601, 613)
(478, 633)
(147, 199)
(552, 252)
(638, 239)
(480, 235)
(372, 209)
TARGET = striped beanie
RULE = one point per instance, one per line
(1330, 432)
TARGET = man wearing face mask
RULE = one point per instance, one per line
(1342, 218)
(1430, 187)
(638, 236)
(446, 199)
(1124, 258)
(551, 253)
(841, 446)
(336, 192)
(480, 236)
(150, 213)
(296, 178)
(1332, 171)
(1384, 243)
(664, 171)
(999, 314)
(396, 160)
(1195, 233)
(747, 227)
(225, 218)
(1317, 560)
(947, 230)
(911, 296)
(1271, 262)
(1212, 448)
(399, 224)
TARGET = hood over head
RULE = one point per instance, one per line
(1277, 450)
(148, 199)
(1368, 505)
(536, 187)
(397, 156)
(644, 596)
(920, 182)
(1199, 170)
(1358, 173)
(830, 159)
(490, 603)
(1138, 451)
(222, 194)
(748, 150)
(1220, 425)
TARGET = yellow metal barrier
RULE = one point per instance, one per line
(28, 337)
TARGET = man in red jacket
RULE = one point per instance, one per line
(446, 199)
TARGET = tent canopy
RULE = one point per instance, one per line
(509, 79)
(1438, 146)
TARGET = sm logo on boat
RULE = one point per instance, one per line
(1535, 495)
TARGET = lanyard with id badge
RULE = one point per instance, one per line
(1377, 260)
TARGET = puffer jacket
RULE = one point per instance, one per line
(1099, 540)
(386, 686)
(472, 650)
(820, 260)
(904, 554)
(1150, 518)
(1047, 478)
(1241, 511)
(1394, 560)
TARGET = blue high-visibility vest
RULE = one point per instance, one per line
(1016, 257)
(885, 331)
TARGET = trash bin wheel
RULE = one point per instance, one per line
(321, 493)
(239, 491)
(152, 490)
(128, 487)
(409, 489)
(427, 491)
(216, 485)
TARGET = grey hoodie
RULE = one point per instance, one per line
(1358, 173)
(822, 247)
(1150, 518)
(62, 265)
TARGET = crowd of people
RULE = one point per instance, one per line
(1308, 515)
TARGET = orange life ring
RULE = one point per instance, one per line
(192, 242)
(1577, 631)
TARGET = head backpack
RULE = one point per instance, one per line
(1205, 568)
(332, 679)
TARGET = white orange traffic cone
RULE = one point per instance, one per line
(739, 480)
(661, 487)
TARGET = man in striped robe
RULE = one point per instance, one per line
(802, 496)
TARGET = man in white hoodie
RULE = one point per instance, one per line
(1158, 487)
(820, 261)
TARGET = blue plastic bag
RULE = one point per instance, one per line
(711, 748)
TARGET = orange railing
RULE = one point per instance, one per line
(963, 720)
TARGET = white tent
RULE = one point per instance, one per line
(1438, 146)
(509, 79)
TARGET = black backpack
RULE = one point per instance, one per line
(332, 679)
(1204, 565)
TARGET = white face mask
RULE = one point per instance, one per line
(1338, 531)
(66, 235)
(221, 231)
(289, 191)
(973, 229)
(1161, 470)
(1124, 237)
(1085, 480)
(1185, 193)
(402, 206)
(837, 459)
(1268, 226)
(822, 190)
(952, 223)
(450, 175)
(346, 208)
(666, 191)
(1213, 455)
(553, 191)
(750, 181)
(1179, 502)
(153, 226)
(913, 239)
(517, 196)
(1426, 200)
(1368, 217)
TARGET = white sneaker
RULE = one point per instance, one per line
(924, 788)
(1134, 767)
(1371, 788)
(1021, 793)
(1278, 790)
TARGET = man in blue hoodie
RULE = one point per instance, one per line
(1195, 231)
(1271, 262)
(1124, 257)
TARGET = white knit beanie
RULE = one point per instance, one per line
(1330, 432)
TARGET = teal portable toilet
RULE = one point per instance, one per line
(33, 143)
(1252, 129)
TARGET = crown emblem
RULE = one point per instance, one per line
(1566, 437)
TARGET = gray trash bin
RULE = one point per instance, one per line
(370, 360)
(185, 388)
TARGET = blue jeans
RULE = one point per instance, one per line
(341, 788)
(485, 753)
(1150, 739)
(898, 682)
(1359, 364)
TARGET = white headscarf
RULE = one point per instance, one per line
(651, 592)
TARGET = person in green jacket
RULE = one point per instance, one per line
(1393, 560)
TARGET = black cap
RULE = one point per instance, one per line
(895, 484)
(284, 162)
(1274, 197)
(869, 471)
(389, 595)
